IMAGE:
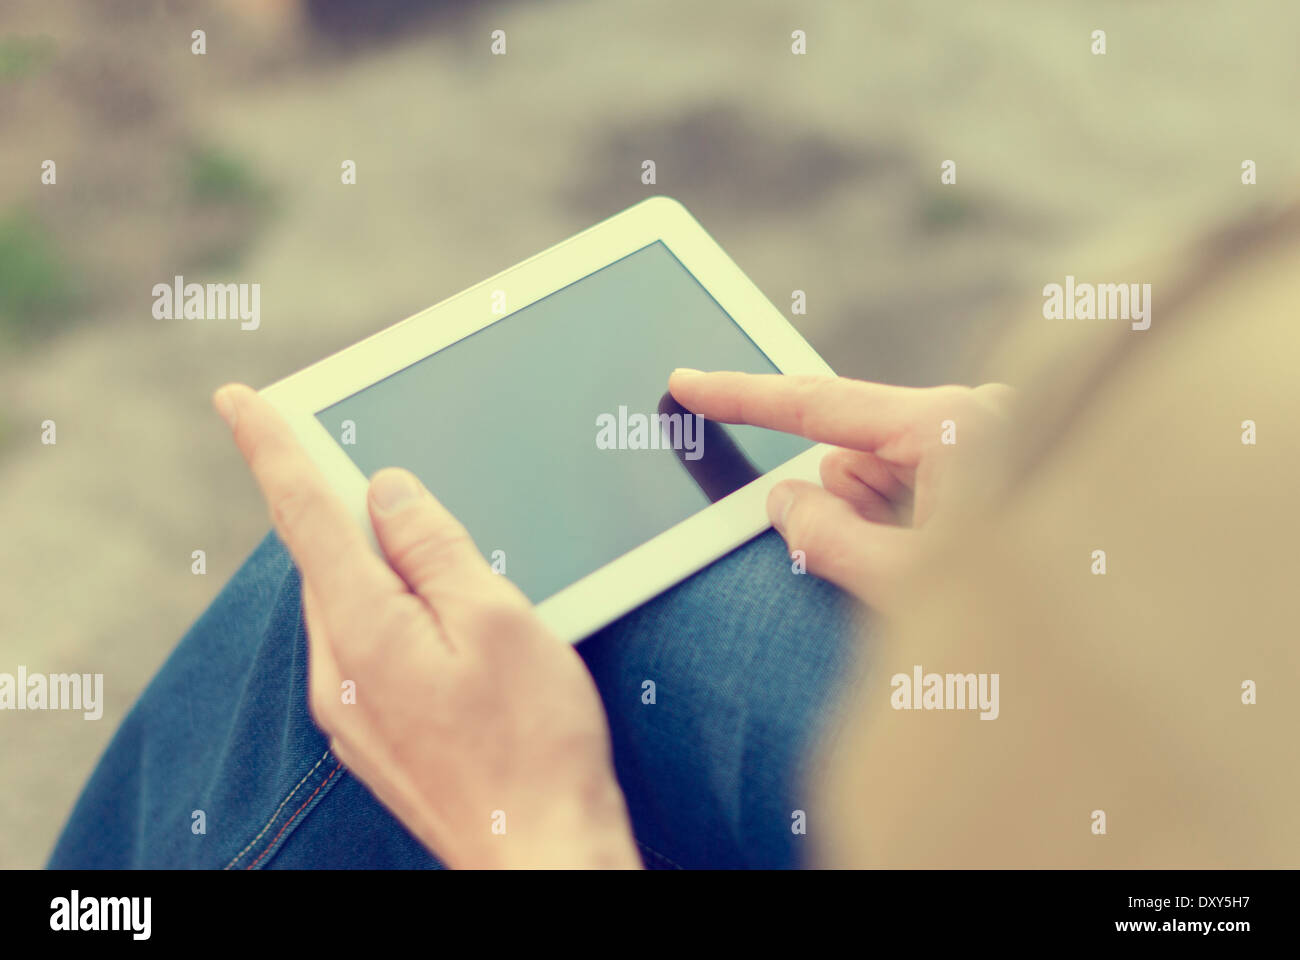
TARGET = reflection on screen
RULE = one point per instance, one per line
(537, 431)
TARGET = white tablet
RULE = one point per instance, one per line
(534, 406)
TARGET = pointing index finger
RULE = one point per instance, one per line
(847, 413)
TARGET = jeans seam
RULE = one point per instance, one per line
(288, 823)
(655, 853)
(275, 816)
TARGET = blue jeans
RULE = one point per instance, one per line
(220, 765)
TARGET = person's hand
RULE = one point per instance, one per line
(860, 529)
(436, 682)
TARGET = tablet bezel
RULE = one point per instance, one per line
(626, 582)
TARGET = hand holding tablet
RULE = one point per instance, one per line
(463, 702)
(885, 477)
(436, 682)
(535, 406)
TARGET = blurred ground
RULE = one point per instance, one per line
(818, 173)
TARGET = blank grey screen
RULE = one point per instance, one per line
(502, 426)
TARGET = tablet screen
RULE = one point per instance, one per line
(550, 434)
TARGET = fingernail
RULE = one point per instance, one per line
(391, 489)
(225, 404)
(687, 372)
(779, 502)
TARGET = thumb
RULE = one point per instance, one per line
(426, 545)
(857, 555)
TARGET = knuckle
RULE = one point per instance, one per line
(402, 617)
(502, 617)
(434, 552)
(254, 446)
(390, 629)
(291, 507)
(836, 466)
(811, 395)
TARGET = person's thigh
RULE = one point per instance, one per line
(714, 691)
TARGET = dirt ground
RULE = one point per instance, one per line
(818, 173)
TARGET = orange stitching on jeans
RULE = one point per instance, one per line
(252, 842)
(269, 846)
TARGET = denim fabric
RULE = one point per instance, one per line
(745, 657)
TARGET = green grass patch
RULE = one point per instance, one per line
(20, 57)
(38, 287)
(945, 207)
(217, 177)
(233, 201)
